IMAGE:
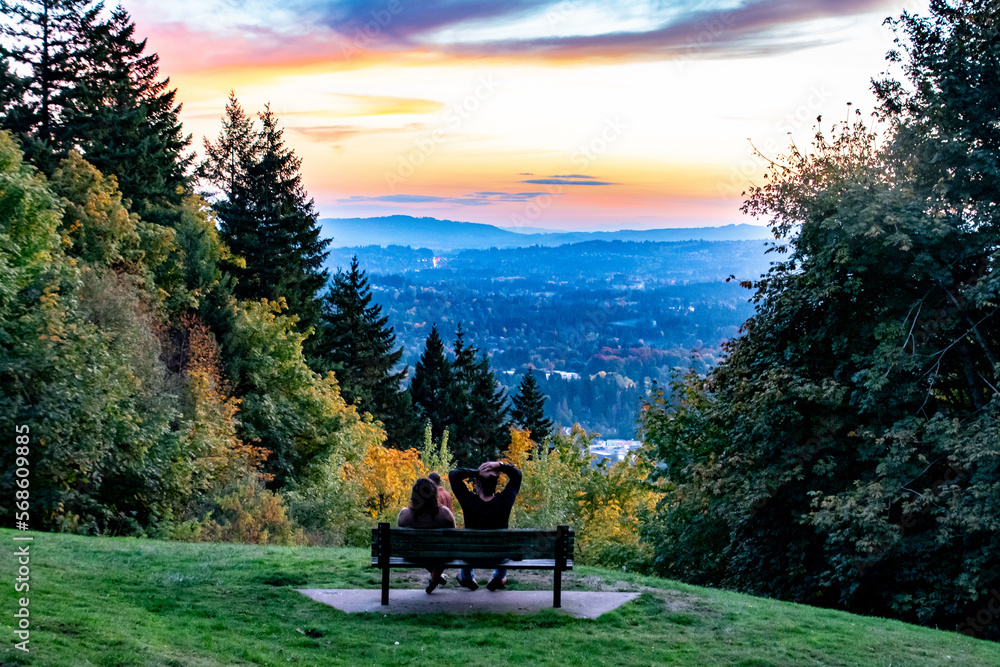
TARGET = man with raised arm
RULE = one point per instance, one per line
(484, 509)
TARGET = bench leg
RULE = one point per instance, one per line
(557, 590)
(383, 559)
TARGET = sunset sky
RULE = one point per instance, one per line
(564, 115)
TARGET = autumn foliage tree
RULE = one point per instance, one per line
(604, 503)
(387, 476)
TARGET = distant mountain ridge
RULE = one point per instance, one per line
(447, 235)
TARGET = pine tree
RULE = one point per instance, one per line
(529, 409)
(11, 87)
(47, 40)
(432, 388)
(265, 215)
(126, 121)
(358, 344)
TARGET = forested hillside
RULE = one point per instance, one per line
(452, 236)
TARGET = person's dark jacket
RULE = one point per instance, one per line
(480, 515)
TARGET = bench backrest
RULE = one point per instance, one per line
(472, 545)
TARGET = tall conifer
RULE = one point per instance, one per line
(481, 416)
(48, 44)
(358, 344)
(126, 121)
(529, 409)
(265, 215)
(432, 389)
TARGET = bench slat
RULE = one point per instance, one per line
(533, 564)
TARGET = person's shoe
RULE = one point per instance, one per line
(496, 583)
(434, 582)
(470, 584)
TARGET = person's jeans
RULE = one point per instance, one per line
(468, 574)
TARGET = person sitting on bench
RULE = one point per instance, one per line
(484, 510)
(424, 512)
(444, 498)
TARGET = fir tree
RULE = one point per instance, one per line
(481, 421)
(490, 433)
(126, 121)
(529, 409)
(265, 215)
(49, 41)
(432, 389)
(227, 160)
(358, 344)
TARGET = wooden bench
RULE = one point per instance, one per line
(514, 549)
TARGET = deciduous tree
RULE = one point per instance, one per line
(844, 453)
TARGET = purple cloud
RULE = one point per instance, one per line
(566, 181)
(756, 27)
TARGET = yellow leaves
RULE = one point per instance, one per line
(520, 446)
(387, 476)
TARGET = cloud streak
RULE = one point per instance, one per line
(567, 181)
(336, 134)
(755, 27)
(482, 198)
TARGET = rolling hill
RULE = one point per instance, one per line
(450, 235)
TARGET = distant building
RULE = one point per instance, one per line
(616, 450)
(565, 375)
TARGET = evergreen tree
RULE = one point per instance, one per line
(227, 160)
(49, 42)
(490, 433)
(265, 216)
(465, 364)
(358, 344)
(126, 121)
(481, 429)
(432, 389)
(529, 409)
(11, 87)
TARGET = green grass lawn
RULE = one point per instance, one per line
(117, 601)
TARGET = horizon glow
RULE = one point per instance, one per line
(567, 115)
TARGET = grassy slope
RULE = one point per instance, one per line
(98, 601)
